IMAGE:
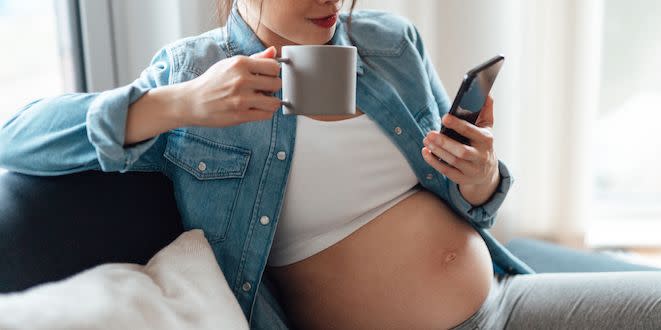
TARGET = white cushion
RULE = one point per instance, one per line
(182, 287)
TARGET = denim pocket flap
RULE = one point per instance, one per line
(206, 159)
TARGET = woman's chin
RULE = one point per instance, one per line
(321, 38)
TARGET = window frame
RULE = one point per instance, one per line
(70, 41)
(98, 44)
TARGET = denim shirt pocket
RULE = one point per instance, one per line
(207, 177)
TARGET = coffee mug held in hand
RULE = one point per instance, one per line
(318, 80)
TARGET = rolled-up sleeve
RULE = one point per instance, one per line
(482, 215)
(106, 118)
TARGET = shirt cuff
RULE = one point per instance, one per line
(483, 215)
(106, 129)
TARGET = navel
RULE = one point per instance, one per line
(450, 257)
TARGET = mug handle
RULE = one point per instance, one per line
(284, 60)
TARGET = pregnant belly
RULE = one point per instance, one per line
(415, 266)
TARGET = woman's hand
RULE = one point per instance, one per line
(234, 91)
(473, 167)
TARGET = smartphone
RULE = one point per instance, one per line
(473, 94)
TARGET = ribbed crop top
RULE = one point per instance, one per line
(344, 174)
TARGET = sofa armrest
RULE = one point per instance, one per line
(546, 257)
(54, 227)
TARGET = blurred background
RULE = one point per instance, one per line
(577, 103)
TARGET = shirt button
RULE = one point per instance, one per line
(246, 286)
(430, 176)
(264, 220)
(202, 166)
(398, 130)
(282, 155)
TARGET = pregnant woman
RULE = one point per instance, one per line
(351, 222)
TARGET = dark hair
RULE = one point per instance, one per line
(225, 7)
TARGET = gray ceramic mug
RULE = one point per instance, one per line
(318, 80)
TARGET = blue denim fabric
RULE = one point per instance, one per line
(241, 179)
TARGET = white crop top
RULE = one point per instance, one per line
(344, 174)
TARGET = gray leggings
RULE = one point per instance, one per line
(610, 300)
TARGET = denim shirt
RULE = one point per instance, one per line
(230, 182)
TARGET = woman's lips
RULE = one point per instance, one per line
(325, 22)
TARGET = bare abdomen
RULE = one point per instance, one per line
(416, 266)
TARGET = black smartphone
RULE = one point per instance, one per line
(473, 94)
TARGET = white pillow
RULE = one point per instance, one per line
(181, 287)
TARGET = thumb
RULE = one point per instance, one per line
(485, 118)
(267, 53)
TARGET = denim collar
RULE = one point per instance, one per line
(242, 40)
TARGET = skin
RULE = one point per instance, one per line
(286, 22)
(474, 167)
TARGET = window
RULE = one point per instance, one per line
(39, 54)
(627, 199)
